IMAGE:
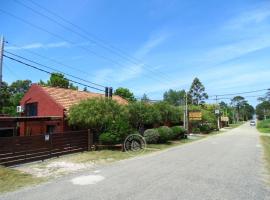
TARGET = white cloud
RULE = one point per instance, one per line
(237, 49)
(132, 71)
(152, 43)
(39, 46)
(250, 17)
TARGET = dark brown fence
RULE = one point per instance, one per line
(17, 150)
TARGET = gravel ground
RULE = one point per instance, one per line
(226, 166)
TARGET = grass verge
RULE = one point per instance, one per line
(264, 126)
(266, 145)
(12, 179)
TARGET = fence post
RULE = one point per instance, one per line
(90, 140)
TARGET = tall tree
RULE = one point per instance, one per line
(174, 97)
(238, 102)
(125, 93)
(11, 95)
(59, 80)
(4, 97)
(263, 110)
(197, 94)
(145, 98)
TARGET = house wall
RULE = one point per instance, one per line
(46, 106)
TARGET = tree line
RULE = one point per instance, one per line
(238, 109)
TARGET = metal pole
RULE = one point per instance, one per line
(218, 125)
(1, 59)
(186, 114)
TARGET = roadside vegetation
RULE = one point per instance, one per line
(12, 179)
(264, 126)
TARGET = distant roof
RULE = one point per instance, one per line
(69, 97)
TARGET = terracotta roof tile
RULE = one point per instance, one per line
(68, 97)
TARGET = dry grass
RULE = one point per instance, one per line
(266, 144)
(12, 179)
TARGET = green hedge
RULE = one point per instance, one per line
(151, 136)
(178, 132)
(165, 134)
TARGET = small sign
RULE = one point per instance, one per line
(195, 116)
(224, 119)
(217, 112)
(47, 137)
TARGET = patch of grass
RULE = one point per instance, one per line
(12, 179)
(235, 125)
(264, 126)
(266, 144)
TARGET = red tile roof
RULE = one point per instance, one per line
(68, 97)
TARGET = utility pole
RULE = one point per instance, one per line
(186, 112)
(218, 125)
(1, 59)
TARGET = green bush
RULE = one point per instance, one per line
(108, 138)
(205, 128)
(178, 132)
(195, 130)
(151, 136)
(165, 134)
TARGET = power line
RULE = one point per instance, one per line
(54, 61)
(45, 71)
(72, 42)
(247, 92)
(93, 38)
(54, 69)
(232, 97)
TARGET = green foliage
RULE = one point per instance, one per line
(10, 96)
(58, 80)
(205, 128)
(264, 126)
(140, 113)
(151, 136)
(244, 111)
(263, 110)
(178, 132)
(108, 138)
(165, 134)
(174, 97)
(195, 130)
(169, 114)
(145, 98)
(96, 114)
(125, 93)
(197, 94)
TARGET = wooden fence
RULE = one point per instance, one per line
(17, 150)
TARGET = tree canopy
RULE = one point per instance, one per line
(197, 94)
(174, 97)
(10, 96)
(59, 80)
(125, 93)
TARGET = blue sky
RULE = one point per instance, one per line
(226, 44)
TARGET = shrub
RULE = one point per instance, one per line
(165, 134)
(95, 114)
(178, 132)
(108, 138)
(205, 128)
(195, 130)
(141, 113)
(151, 136)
